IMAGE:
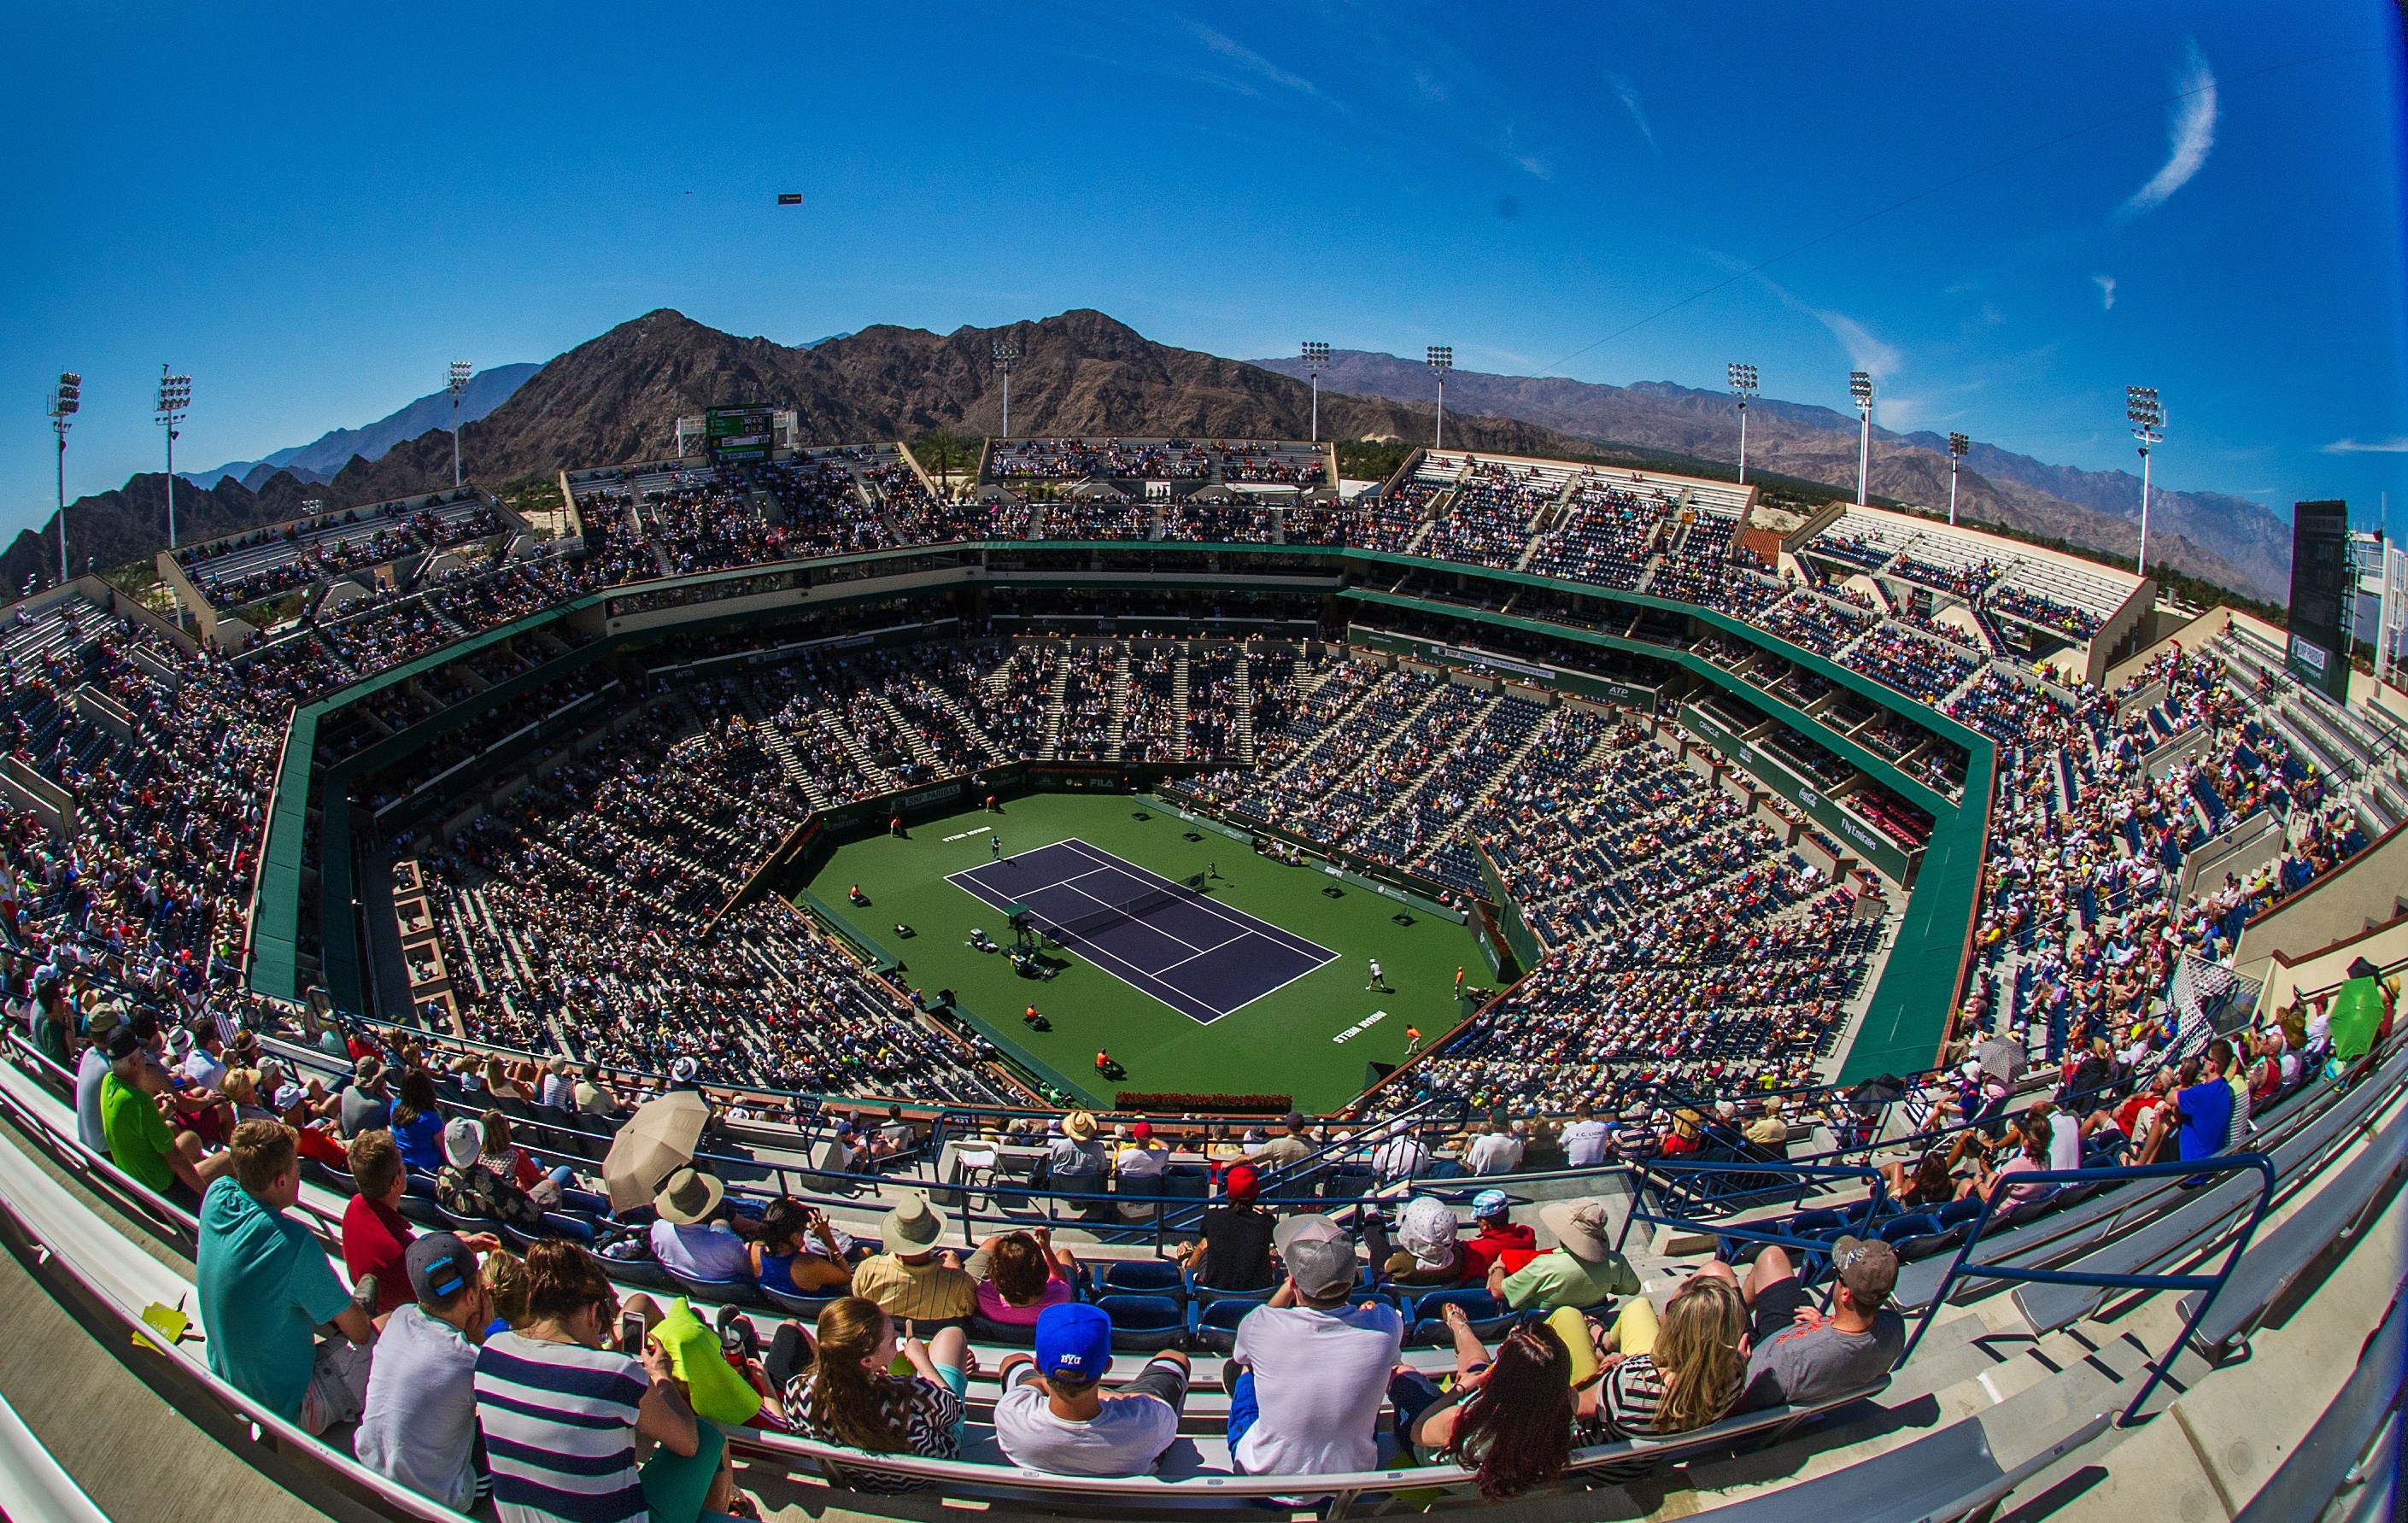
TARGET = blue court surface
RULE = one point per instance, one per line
(1201, 958)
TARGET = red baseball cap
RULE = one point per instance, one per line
(1239, 1183)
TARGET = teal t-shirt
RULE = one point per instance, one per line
(266, 1288)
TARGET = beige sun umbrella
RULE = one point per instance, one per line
(657, 1141)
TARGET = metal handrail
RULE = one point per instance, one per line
(1805, 1176)
(2209, 1286)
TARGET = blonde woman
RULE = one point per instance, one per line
(1672, 1375)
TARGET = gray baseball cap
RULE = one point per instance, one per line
(1317, 1255)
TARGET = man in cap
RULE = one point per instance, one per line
(133, 1108)
(1496, 1150)
(91, 1070)
(1800, 1355)
(419, 1423)
(1288, 1149)
(1309, 1372)
(1236, 1251)
(910, 1280)
(1053, 1416)
(1497, 1239)
(1075, 1151)
(1580, 1270)
(686, 1239)
(366, 1106)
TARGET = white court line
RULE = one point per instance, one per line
(1295, 942)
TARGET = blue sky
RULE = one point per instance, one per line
(313, 209)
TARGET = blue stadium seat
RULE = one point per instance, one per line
(1143, 1323)
(1427, 1317)
(1009, 1334)
(1216, 1324)
(1144, 1276)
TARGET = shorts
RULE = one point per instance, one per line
(1164, 1379)
(339, 1385)
(1776, 1307)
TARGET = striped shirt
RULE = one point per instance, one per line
(560, 1431)
(926, 1292)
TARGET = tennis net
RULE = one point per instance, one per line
(1134, 907)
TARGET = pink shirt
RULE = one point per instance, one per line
(992, 1305)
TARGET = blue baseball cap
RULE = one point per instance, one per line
(1074, 1339)
(1489, 1203)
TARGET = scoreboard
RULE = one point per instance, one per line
(739, 433)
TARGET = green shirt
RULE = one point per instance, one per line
(266, 1288)
(138, 1138)
(1555, 1278)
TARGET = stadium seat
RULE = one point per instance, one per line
(717, 1292)
(1009, 1334)
(805, 1308)
(1144, 1276)
(1216, 1324)
(1427, 1315)
(1143, 1323)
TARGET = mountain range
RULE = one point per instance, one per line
(616, 398)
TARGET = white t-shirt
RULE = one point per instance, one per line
(1140, 1161)
(1319, 1380)
(2064, 1142)
(91, 1069)
(420, 1422)
(1584, 1143)
(1124, 1438)
(1493, 1153)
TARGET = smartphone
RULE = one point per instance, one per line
(631, 1333)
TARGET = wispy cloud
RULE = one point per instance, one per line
(1534, 166)
(1250, 60)
(1626, 93)
(2190, 132)
(2396, 444)
(2106, 284)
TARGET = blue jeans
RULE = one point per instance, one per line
(1243, 1410)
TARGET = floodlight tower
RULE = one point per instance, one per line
(1441, 359)
(1862, 386)
(175, 399)
(63, 404)
(1743, 385)
(2148, 418)
(1007, 355)
(1957, 445)
(1315, 357)
(456, 381)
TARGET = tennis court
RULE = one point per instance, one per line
(1202, 959)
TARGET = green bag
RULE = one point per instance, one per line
(696, 1358)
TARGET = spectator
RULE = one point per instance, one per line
(1427, 1252)
(2204, 1105)
(1019, 1275)
(848, 1397)
(502, 1157)
(1509, 1419)
(204, 1065)
(1584, 1140)
(1309, 1374)
(781, 1261)
(265, 1288)
(1499, 1239)
(1053, 1417)
(1075, 1151)
(1402, 1156)
(561, 1409)
(132, 1117)
(376, 1236)
(1676, 1377)
(559, 1092)
(367, 1104)
(1929, 1185)
(594, 1095)
(1139, 1164)
(688, 1238)
(419, 1423)
(1580, 1270)
(1290, 1148)
(2030, 1155)
(92, 1073)
(465, 1189)
(1495, 1150)
(909, 1281)
(1235, 1252)
(418, 1121)
(1801, 1356)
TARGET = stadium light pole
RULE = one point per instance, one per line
(1315, 357)
(63, 404)
(1957, 445)
(2148, 418)
(457, 381)
(175, 398)
(1743, 385)
(1441, 359)
(1862, 386)
(1007, 355)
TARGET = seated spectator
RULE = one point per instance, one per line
(561, 1408)
(1291, 1147)
(1235, 1253)
(505, 1276)
(910, 1281)
(1677, 1377)
(1509, 1418)
(2030, 1144)
(1500, 1240)
(265, 1288)
(1768, 1134)
(689, 1239)
(92, 1073)
(1801, 1356)
(1138, 1165)
(1427, 1252)
(558, 1091)
(1309, 1374)
(204, 1064)
(465, 1189)
(419, 1422)
(1495, 1150)
(783, 1262)
(501, 1157)
(1019, 1275)
(2203, 1105)
(847, 1395)
(1585, 1140)
(1924, 1185)
(418, 1121)
(366, 1106)
(132, 1117)
(1053, 1416)
(594, 1095)
(1402, 1156)
(1580, 1270)
(1076, 1150)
